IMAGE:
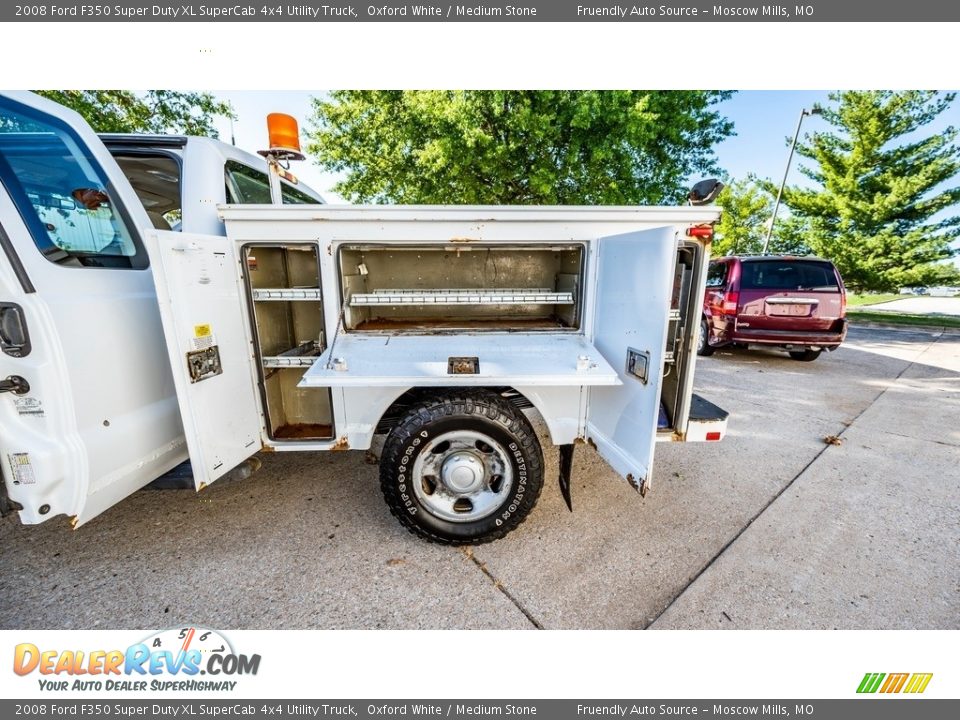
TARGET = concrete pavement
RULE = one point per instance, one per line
(770, 528)
(867, 535)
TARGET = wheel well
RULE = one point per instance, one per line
(411, 397)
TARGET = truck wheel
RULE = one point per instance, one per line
(462, 468)
(703, 344)
(805, 355)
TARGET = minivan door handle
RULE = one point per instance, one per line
(14, 337)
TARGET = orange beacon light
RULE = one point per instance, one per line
(284, 137)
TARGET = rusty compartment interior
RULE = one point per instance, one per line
(451, 288)
(284, 287)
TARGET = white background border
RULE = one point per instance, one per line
(240, 56)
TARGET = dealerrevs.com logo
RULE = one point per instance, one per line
(169, 660)
(912, 683)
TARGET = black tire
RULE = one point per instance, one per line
(704, 348)
(456, 430)
(805, 355)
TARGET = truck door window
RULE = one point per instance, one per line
(247, 186)
(64, 197)
(156, 180)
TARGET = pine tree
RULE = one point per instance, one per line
(883, 208)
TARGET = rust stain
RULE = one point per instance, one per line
(73, 522)
(203, 486)
(464, 240)
(340, 445)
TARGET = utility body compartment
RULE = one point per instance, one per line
(583, 312)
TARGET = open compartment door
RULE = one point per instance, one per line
(631, 312)
(199, 290)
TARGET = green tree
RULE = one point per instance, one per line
(524, 147)
(155, 111)
(878, 212)
(746, 215)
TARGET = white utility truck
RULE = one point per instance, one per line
(312, 327)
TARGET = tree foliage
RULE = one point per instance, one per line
(155, 111)
(882, 208)
(524, 147)
(747, 208)
(746, 214)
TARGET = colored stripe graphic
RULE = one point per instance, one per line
(894, 682)
(918, 682)
(870, 682)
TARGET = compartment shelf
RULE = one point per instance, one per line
(304, 355)
(461, 296)
(285, 294)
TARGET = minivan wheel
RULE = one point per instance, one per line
(805, 355)
(462, 468)
(703, 346)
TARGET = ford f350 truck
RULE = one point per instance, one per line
(129, 329)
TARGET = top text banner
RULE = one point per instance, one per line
(518, 11)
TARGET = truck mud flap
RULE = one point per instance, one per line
(566, 469)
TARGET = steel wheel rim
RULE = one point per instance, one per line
(462, 476)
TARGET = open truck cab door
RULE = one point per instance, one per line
(88, 412)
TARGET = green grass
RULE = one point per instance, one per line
(873, 299)
(897, 318)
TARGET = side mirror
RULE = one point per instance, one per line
(705, 192)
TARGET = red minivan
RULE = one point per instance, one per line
(795, 303)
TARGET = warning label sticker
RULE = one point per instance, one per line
(203, 337)
(21, 469)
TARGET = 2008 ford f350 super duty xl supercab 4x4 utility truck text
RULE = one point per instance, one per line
(146, 311)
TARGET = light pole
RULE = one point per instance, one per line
(815, 110)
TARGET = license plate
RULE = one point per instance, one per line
(789, 310)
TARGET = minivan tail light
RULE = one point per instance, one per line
(730, 301)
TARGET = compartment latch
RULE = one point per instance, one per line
(638, 364)
(204, 363)
(463, 365)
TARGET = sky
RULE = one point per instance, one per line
(763, 121)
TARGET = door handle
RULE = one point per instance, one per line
(14, 338)
(15, 384)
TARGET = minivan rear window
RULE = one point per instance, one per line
(789, 275)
